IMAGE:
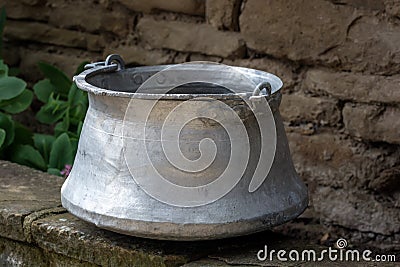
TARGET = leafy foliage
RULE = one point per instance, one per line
(63, 107)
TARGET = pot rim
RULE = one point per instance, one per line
(82, 83)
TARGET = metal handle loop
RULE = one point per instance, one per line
(114, 58)
(110, 60)
(261, 86)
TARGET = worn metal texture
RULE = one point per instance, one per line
(102, 190)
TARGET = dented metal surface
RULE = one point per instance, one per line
(102, 190)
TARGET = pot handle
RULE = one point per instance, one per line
(112, 60)
(261, 86)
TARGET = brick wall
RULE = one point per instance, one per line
(339, 60)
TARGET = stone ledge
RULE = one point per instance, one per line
(24, 192)
(36, 231)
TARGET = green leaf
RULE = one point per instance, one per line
(7, 125)
(74, 144)
(44, 143)
(27, 155)
(62, 127)
(81, 67)
(23, 135)
(61, 152)
(17, 104)
(54, 171)
(43, 90)
(71, 93)
(60, 81)
(53, 111)
(2, 136)
(79, 128)
(10, 87)
(3, 69)
(77, 97)
(77, 115)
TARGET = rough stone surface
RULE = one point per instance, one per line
(341, 174)
(43, 33)
(24, 191)
(14, 253)
(223, 14)
(87, 20)
(297, 108)
(181, 37)
(374, 123)
(373, 5)
(64, 240)
(392, 7)
(360, 211)
(353, 87)
(387, 181)
(324, 159)
(370, 47)
(284, 71)
(65, 234)
(311, 27)
(16, 10)
(138, 55)
(66, 59)
(191, 7)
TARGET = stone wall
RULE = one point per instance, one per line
(339, 60)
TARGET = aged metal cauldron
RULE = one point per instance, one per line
(182, 152)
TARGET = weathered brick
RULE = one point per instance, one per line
(300, 29)
(374, 5)
(191, 7)
(84, 18)
(223, 14)
(43, 33)
(329, 159)
(297, 108)
(392, 7)
(339, 173)
(65, 59)
(372, 123)
(283, 70)
(356, 210)
(188, 37)
(202, 57)
(353, 86)
(33, 2)
(137, 55)
(17, 10)
(371, 46)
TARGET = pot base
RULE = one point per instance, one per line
(186, 231)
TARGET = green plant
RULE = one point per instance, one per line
(14, 98)
(64, 107)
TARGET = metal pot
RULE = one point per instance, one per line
(182, 152)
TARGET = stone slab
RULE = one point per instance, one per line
(36, 231)
(372, 122)
(24, 191)
(67, 235)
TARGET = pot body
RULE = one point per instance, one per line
(102, 188)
